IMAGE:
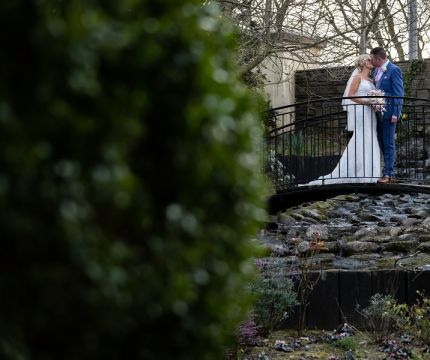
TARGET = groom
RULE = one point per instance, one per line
(388, 78)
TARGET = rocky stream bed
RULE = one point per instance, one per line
(352, 232)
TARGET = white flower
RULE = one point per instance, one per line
(384, 68)
(377, 101)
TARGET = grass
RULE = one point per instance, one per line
(318, 345)
(347, 343)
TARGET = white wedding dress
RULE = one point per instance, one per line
(361, 160)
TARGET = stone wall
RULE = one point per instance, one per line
(360, 243)
(330, 82)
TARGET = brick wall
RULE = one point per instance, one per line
(331, 82)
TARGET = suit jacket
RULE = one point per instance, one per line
(391, 82)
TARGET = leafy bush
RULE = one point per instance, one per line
(379, 318)
(414, 319)
(275, 300)
(129, 185)
(277, 170)
(385, 314)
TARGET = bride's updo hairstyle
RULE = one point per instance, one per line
(360, 62)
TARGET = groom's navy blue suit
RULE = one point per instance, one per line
(391, 82)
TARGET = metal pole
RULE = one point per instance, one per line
(363, 30)
(413, 31)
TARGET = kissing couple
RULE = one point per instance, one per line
(372, 121)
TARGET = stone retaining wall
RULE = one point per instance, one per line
(337, 294)
(362, 244)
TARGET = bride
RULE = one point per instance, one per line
(361, 160)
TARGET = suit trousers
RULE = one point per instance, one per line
(386, 136)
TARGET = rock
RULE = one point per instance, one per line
(418, 230)
(322, 205)
(423, 238)
(320, 259)
(410, 210)
(286, 219)
(292, 233)
(354, 220)
(341, 198)
(317, 231)
(263, 356)
(398, 219)
(279, 250)
(424, 247)
(401, 246)
(378, 239)
(410, 222)
(366, 231)
(359, 247)
(365, 216)
(282, 346)
(388, 203)
(405, 198)
(366, 257)
(309, 221)
(394, 231)
(408, 237)
(340, 212)
(426, 222)
(303, 247)
(313, 214)
(294, 241)
(414, 262)
(333, 247)
(422, 213)
(297, 216)
(349, 264)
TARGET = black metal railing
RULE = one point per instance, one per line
(314, 143)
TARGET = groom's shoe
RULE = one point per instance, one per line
(384, 180)
(394, 180)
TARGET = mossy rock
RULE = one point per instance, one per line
(401, 246)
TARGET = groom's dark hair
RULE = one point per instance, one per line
(379, 52)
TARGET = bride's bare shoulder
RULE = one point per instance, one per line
(356, 78)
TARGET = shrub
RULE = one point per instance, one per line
(249, 333)
(414, 319)
(346, 343)
(275, 300)
(129, 185)
(377, 315)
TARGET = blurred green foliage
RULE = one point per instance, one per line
(129, 182)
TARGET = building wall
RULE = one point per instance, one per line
(280, 80)
(280, 73)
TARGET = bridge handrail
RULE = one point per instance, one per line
(342, 98)
(298, 122)
(306, 140)
(272, 112)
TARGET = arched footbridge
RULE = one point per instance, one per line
(305, 143)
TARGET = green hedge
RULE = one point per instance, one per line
(129, 183)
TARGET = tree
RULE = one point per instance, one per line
(293, 29)
(129, 182)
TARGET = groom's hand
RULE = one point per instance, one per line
(393, 119)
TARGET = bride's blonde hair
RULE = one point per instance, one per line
(361, 61)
